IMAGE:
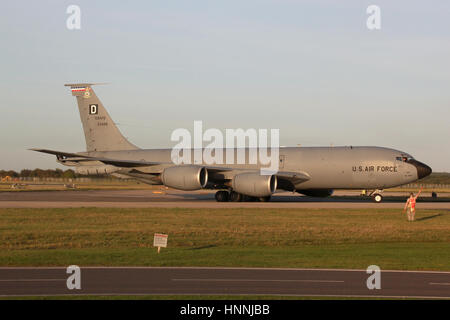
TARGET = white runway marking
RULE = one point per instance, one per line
(30, 280)
(261, 280)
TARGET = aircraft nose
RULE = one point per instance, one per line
(422, 169)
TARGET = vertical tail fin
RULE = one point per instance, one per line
(99, 130)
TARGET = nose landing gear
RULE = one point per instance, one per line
(375, 194)
(377, 197)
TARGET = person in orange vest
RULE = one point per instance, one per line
(410, 205)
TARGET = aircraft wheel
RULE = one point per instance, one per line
(377, 197)
(264, 199)
(235, 197)
(222, 196)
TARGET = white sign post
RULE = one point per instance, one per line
(160, 240)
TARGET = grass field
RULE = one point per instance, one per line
(317, 238)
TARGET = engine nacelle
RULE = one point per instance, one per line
(255, 185)
(87, 170)
(185, 177)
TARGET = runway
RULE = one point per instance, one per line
(222, 281)
(200, 199)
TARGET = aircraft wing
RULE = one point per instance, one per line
(289, 180)
(294, 177)
(115, 162)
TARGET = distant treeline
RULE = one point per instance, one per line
(40, 173)
(434, 178)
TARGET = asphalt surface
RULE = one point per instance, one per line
(200, 199)
(222, 281)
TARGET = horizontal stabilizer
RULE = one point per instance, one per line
(58, 153)
(115, 162)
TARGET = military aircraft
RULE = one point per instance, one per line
(312, 171)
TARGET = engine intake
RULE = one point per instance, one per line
(185, 177)
(255, 185)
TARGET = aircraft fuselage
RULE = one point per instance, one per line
(328, 167)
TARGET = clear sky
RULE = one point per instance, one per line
(310, 68)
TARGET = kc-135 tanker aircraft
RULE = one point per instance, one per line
(313, 171)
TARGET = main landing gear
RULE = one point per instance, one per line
(222, 196)
(225, 196)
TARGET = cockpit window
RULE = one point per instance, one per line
(403, 159)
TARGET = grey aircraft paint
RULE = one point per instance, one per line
(99, 130)
(308, 170)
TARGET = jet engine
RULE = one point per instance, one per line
(255, 185)
(185, 177)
